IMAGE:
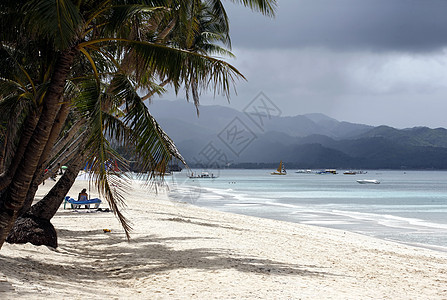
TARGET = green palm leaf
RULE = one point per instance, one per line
(267, 7)
(58, 20)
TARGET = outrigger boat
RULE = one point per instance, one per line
(202, 175)
(327, 171)
(281, 170)
(354, 172)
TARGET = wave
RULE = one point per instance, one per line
(237, 199)
(391, 220)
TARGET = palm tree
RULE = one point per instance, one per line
(42, 44)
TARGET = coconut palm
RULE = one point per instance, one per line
(34, 224)
(44, 46)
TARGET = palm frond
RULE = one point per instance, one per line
(152, 145)
(86, 100)
(266, 7)
(13, 71)
(121, 14)
(218, 16)
(183, 67)
(92, 63)
(57, 20)
(217, 50)
(100, 155)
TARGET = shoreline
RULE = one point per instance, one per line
(432, 247)
(180, 251)
(165, 190)
(381, 220)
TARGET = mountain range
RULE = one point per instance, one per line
(227, 137)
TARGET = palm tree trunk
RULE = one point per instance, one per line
(13, 198)
(30, 125)
(9, 148)
(48, 206)
(55, 132)
(3, 153)
(34, 226)
(39, 174)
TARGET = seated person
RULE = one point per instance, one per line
(83, 196)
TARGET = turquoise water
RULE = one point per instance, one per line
(407, 206)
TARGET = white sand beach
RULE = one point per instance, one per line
(179, 251)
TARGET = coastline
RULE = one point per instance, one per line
(180, 251)
(404, 208)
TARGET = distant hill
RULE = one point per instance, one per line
(417, 136)
(303, 141)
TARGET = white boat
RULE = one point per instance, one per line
(366, 181)
(304, 171)
(350, 172)
(202, 175)
(281, 170)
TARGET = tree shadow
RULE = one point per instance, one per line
(5, 286)
(76, 212)
(190, 221)
(101, 256)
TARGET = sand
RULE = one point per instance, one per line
(179, 251)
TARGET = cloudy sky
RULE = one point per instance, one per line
(365, 61)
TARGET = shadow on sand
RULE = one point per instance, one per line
(100, 257)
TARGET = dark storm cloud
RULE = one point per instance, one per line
(401, 25)
(367, 61)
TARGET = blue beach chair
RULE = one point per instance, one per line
(75, 204)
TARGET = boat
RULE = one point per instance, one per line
(304, 171)
(350, 172)
(203, 175)
(366, 181)
(281, 170)
(354, 172)
(330, 171)
(327, 171)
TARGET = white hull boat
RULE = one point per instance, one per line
(368, 181)
(203, 175)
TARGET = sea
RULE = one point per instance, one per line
(407, 206)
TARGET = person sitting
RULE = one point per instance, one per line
(83, 196)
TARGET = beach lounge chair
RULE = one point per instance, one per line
(75, 204)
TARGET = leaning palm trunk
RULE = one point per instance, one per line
(34, 226)
(48, 206)
(39, 173)
(14, 195)
(30, 125)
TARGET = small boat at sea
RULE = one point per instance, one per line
(327, 171)
(304, 171)
(202, 175)
(281, 170)
(368, 181)
(331, 171)
(350, 172)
